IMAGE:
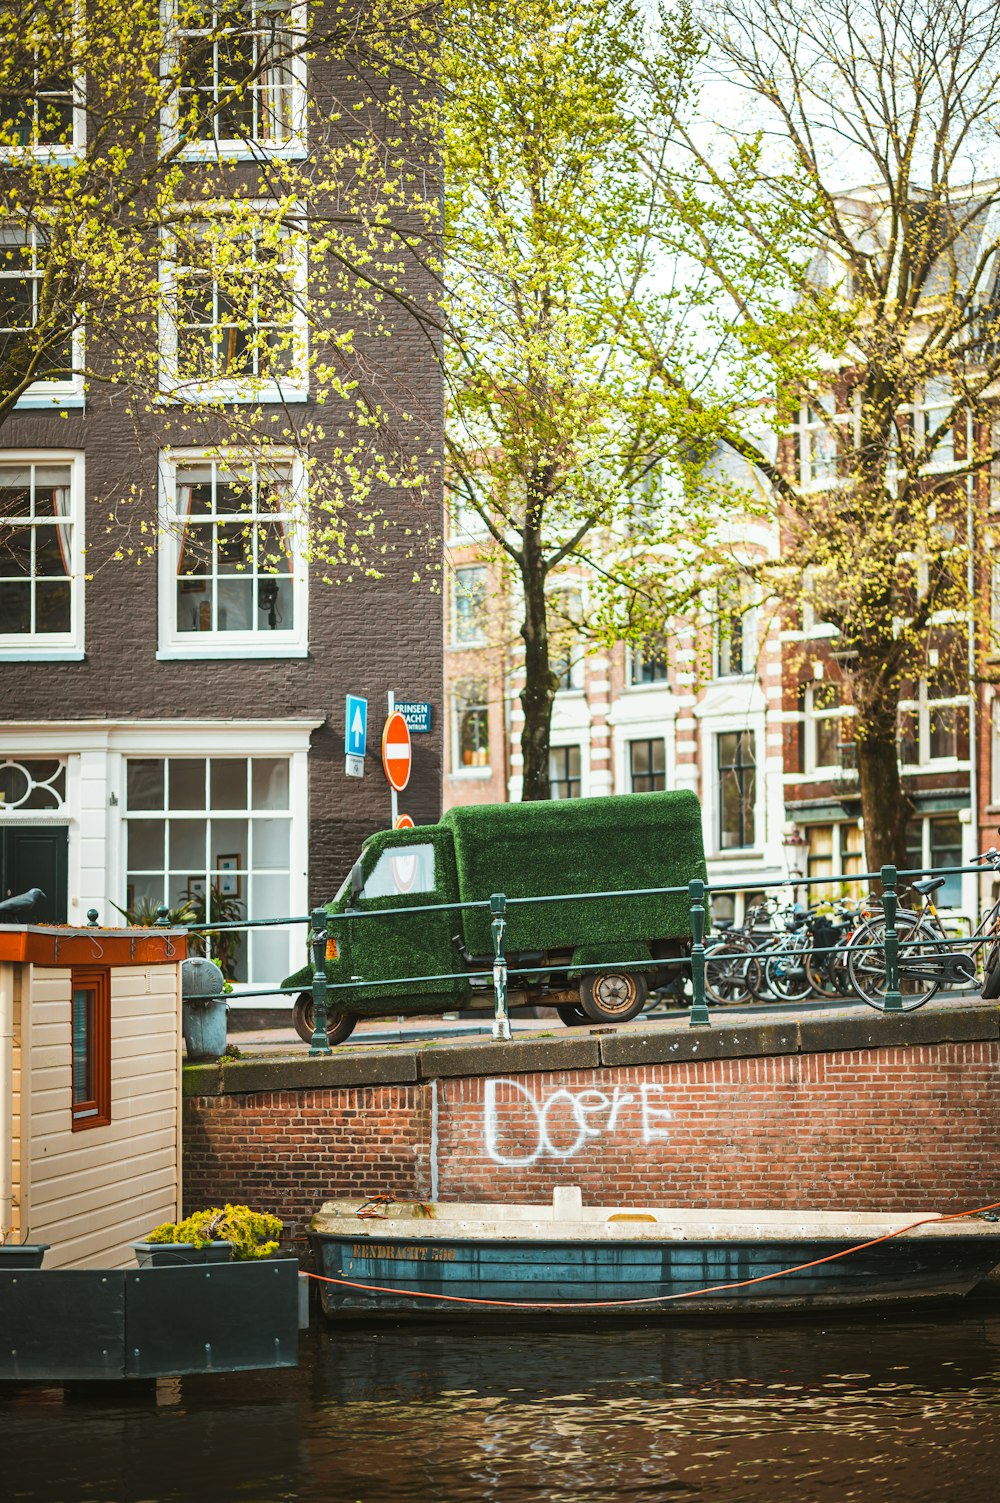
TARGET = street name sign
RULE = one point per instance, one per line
(396, 751)
(416, 713)
(354, 767)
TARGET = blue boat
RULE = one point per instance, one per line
(386, 1258)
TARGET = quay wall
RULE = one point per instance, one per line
(846, 1113)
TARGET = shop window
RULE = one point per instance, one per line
(91, 1048)
(213, 836)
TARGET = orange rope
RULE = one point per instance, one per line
(656, 1299)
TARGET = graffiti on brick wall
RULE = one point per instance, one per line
(521, 1127)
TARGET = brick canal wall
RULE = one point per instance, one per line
(852, 1113)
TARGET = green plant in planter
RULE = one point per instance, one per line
(253, 1234)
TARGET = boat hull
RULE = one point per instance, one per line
(416, 1276)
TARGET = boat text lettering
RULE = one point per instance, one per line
(367, 1251)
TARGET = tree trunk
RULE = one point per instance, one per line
(885, 804)
(539, 681)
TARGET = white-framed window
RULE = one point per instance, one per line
(823, 435)
(233, 327)
(735, 633)
(566, 652)
(213, 835)
(933, 414)
(649, 663)
(933, 726)
(42, 111)
(994, 440)
(41, 554)
(470, 728)
(995, 751)
(238, 78)
(465, 524)
(736, 768)
(829, 728)
(565, 772)
(232, 578)
(22, 273)
(647, 765)
(470, 588)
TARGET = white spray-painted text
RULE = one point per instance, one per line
(529, 1133)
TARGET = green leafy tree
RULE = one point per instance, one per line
(865, 322)
(569, 350)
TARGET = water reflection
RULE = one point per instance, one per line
(880, 1410)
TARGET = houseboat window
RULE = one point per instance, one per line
(91, 1048)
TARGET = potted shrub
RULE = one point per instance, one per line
(211, 1236)
(20, 1254)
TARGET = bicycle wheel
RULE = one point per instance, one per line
(786, 974)
(991, 972)
(866, 964)
(732, 972)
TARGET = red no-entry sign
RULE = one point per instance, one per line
(396, 751)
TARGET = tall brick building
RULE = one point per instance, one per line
(173, 724)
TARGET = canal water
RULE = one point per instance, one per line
(875, 1410)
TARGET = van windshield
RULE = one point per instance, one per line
(400, 870)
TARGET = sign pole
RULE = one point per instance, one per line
(394, 797)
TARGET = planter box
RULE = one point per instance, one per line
(22, 1254)
(178, 1254)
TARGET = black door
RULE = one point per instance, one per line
(36, 858)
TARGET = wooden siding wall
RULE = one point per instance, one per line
(90, 1193)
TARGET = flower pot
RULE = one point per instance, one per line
(22, 1255)
(173, 1254)
(204, 1023)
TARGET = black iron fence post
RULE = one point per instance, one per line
(699, 1010)
(498, 927)
(319, 1044)
(893, 999)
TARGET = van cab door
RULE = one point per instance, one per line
(392, 938)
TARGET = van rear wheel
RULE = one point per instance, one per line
(613, 996)
(339, 1025)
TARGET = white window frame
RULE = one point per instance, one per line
(995, 751)
(52, 153)
(923, 707)
(812, 715)
(478, 636)
(68, 646)
(174, 644)
(573, 596)
(807, 427)
(243, 388)
(44, 393)
(461, 700)
(749, 614)
(924, 403)
(254, 148)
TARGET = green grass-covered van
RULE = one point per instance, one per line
(554, 850)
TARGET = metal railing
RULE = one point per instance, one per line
(323, 926)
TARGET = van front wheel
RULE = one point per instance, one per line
(613, 996)
(339, 1025)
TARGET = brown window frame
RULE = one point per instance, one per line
(95, 1110)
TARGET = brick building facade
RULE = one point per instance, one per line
(172, 728)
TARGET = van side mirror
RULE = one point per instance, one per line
(357, 881)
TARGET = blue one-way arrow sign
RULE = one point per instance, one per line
(356, 726)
